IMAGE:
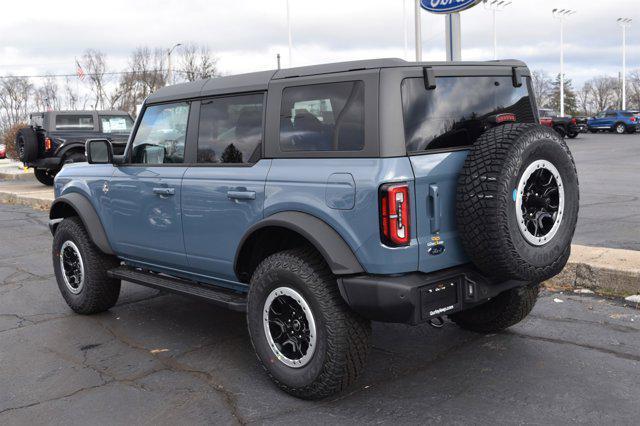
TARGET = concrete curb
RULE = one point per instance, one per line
(37, 203)
(608, 271)
(17, 176)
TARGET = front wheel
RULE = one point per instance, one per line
(81, 269)
(306, 337)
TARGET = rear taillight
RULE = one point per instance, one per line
(395, 222)
(633, 119)
(47, 144)
(574, 121)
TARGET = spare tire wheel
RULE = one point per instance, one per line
(27, 144)
(517, 202)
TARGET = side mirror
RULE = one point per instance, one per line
(99, 151)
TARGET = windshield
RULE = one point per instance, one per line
(116, 123)
(457, 111)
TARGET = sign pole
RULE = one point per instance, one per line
(453, 37)
(418, 28)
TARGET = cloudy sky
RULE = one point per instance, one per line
(246, 35)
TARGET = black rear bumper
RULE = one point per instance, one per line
(418, 297)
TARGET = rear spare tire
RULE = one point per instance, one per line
(27, 144)
(517, 203)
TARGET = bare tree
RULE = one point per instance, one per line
(197, 62)
(15, 93)
(633, 89)
(542, 87)
(584, 99)
(46, 96)
(604, 92)
(144, 75)
(94, 64)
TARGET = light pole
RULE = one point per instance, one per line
(495, 6)
(289, 35)
(561, 15)
(624, 23)
(169, 70)
(418, 29)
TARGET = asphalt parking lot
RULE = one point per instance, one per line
(163, 359)
(609, 174)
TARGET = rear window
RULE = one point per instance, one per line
(116, 123)
(74, 122)
(323, 117)
(456, 112)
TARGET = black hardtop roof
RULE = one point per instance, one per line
(258, 81)
(83, 111)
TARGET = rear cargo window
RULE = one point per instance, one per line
(74, 122)
(455, 113)
(323, 117)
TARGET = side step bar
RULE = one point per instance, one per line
(215, 295)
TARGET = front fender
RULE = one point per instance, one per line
(75, 204)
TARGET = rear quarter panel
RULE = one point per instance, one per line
(313, 185)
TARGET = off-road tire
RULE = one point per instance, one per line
(501, 312)
(572, 135)
(486, 207)
(343, 337)
(100, 292)
(27, 144)
(44, 176)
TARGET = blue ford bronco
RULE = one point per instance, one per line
(318, 199)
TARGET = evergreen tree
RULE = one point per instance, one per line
(570, 101)
(231, 154)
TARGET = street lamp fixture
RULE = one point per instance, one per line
(495, 6)
(561, 15)
(169, 70)
(624, 23)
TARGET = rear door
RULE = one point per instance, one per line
(223, 192)
(440, 126)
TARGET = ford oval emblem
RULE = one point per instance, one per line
(436, 250)
(447, 6)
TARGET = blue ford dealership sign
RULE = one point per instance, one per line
(447, 6)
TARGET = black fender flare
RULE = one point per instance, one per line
(70, 146)
(332, 247)
(75, 204)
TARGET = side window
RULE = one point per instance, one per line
(116, 123)
(611, 114)
(601, 115)
(161, 135)
(74, 122)
(230, 129)
(323, 117)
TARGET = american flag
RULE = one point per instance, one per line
(79, 70)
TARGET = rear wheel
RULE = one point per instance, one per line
(44, 176)
(81, 269)
(620, 128)
(306, 337)
(503, 311)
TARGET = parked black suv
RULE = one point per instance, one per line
(55, 138)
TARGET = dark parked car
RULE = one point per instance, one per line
(616, 121)
(318, 199)
(56, 138)
(565, 126)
